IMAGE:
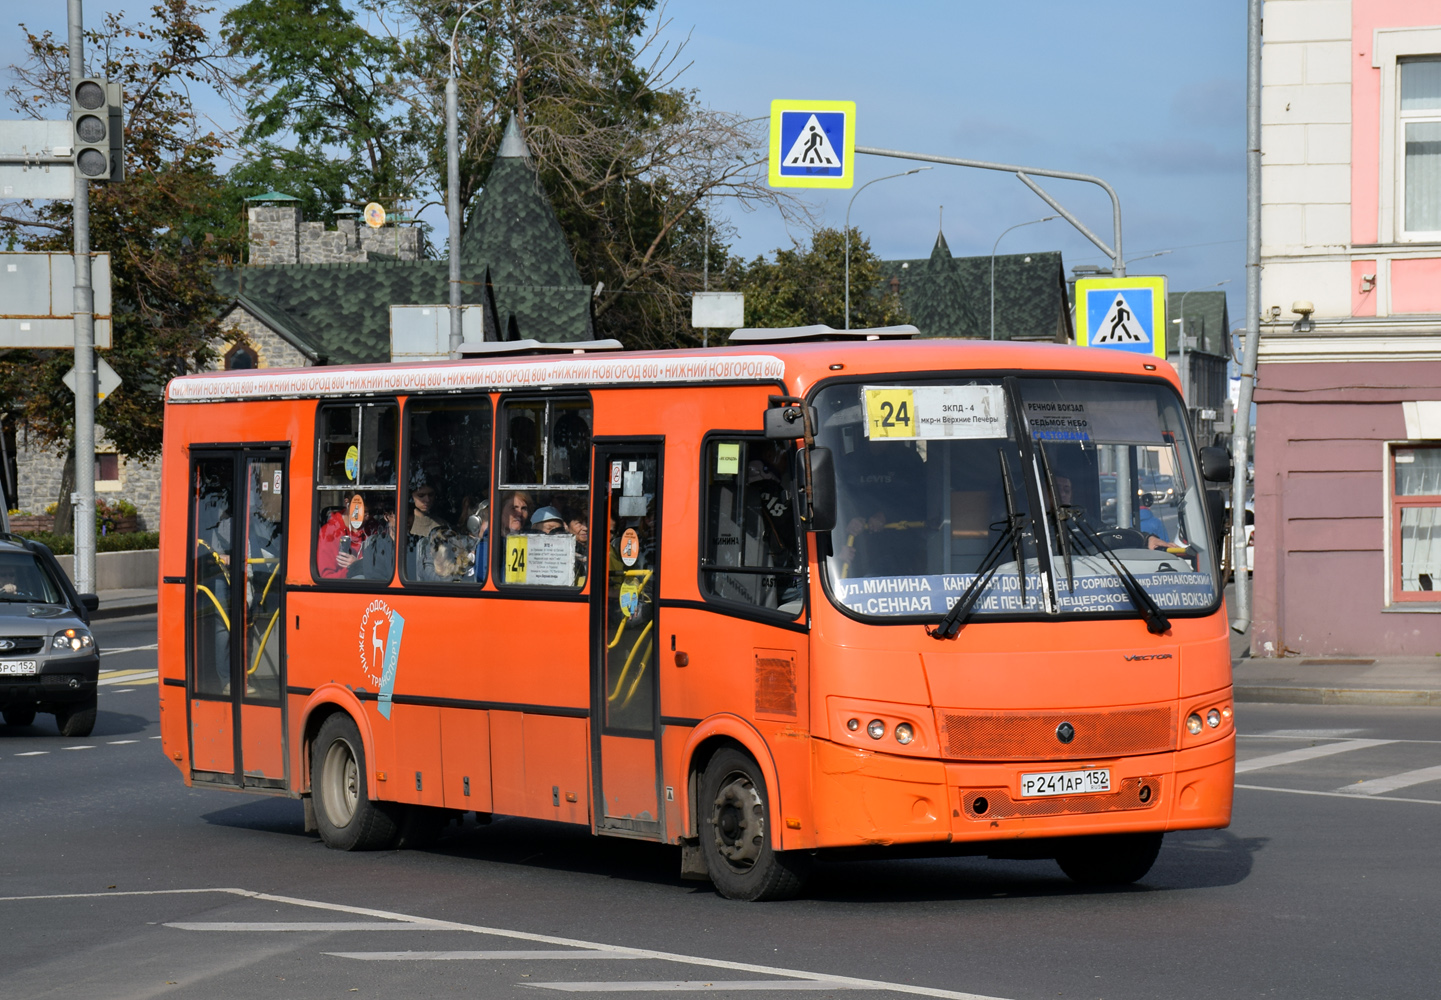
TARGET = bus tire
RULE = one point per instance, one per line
(734, 839)
(349, 820)
(1113, 859)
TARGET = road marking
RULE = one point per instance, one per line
(1340, 795)
(129, 649)
(83, 747)
(697, 986)
(161, 738)
(130, 672)
(1305, 753)
(116, 743)
(1379, 786)
(301, 926)
(33, 753)
(1311, 734)
(130, 677)
(471, 956)
(829, 981)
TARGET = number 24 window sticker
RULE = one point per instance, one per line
(930, 412)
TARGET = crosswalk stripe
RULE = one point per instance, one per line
(1340, 795)
(1305, 753)
(129, 677)
(1379, 786)
(472, 956)
(702, 986)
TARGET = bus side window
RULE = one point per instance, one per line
(446, 520)
(752, 538)
(542, 532)
(355, 527)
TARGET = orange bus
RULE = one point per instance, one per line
(811, 593)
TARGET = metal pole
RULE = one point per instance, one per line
(452, 205)
(993, 266)
(84, 519)
(1241, 426)
(846, 236)
(1118, 265)
(452, 183)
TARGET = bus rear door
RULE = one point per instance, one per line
(235, 667)
(625, 560)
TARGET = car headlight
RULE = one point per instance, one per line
(72, 640)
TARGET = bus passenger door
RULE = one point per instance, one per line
(625, 560)
(235, 673)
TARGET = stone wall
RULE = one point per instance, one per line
(271, 349)
(278, 236)
(41, 469)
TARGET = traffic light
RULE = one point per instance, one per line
(96, 119)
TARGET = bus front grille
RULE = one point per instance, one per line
(1098, 733)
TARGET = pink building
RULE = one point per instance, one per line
(1348, 440)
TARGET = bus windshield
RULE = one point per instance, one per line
(1064, 496)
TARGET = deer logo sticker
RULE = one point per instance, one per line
(381, 628)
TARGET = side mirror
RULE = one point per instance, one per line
(90, 602)
(785, 422)
(1216, 465)
(822, 489)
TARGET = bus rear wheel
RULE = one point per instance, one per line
(349, 820)
(1114, 859)
(734, 838)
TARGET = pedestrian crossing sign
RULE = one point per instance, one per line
(1123, 314)
(813, 144)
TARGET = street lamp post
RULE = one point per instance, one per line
(846, 236)
(993, 265)
(1180, 324)
(452, 180)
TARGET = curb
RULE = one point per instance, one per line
(124, 610)
(1292, 695)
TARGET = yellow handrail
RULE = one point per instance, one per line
(201, 589)
(263, 640)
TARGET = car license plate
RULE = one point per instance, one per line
(17, 666)
(1066, 782)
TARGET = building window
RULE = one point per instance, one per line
(241, 356)
(1416, 523)
(107, 468)
(1419, 130)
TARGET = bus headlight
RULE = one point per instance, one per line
(904, 733)
(876, 729)
(1213, 718)
(1193, 724)
(72, 640)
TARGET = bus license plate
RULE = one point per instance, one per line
(17, 666)
(1066, 783)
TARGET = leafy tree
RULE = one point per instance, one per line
(804, 285)
(629, 159)
(165, 227)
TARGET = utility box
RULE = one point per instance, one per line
(717, 310)
(422, 333)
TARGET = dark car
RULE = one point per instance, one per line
(49, 661)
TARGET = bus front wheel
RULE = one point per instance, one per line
(349, 820)
(734, 838)
(1113, 859)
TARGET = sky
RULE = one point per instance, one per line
(1149, 96)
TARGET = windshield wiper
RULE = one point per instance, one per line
(950, 625)
(1062, 513)
(1156, 621)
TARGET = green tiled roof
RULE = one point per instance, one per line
(1207, 319)
(513, 254)
(950, 296)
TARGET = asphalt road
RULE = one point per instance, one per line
(116, 881)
